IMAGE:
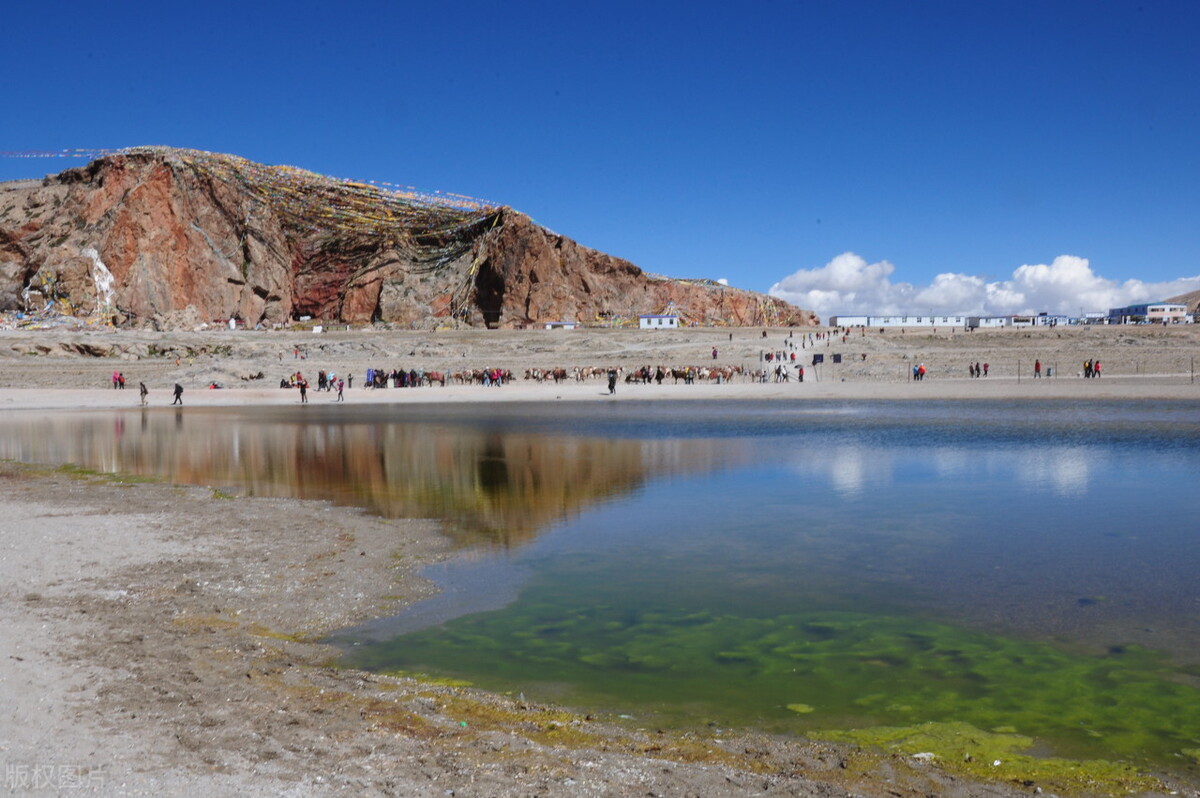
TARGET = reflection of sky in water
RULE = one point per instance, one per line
(848, 469)
(852, 468)
(1064, 471)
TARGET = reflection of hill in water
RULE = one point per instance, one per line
(489, 485)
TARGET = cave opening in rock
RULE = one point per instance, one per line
(489, 294)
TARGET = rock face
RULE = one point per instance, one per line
(157, 235)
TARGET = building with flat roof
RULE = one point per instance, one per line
(658, 322)
(1152, 312)
(900, 320)
(987, 322)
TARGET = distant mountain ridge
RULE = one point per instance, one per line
(166, 237)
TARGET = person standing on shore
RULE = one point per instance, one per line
(178, 394)
(143, 392)
(612, 381)
(1037, 368)
(341, 384)
(303, 385)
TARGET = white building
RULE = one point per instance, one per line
(561, 325)
(1153, 312)
(656, 322)
(988, 322)
(902, 320)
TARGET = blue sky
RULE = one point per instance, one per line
(838, 154)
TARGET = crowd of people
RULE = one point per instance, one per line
(396, 378)
(778, 368)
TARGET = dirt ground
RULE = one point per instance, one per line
(57, 367)
(160, 639)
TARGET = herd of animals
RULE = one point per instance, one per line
(411, 378)
(644, 374)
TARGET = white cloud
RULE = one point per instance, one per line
(848, 284)
(847, 280)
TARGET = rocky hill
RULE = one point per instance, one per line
(168, 238)
(1191, 299)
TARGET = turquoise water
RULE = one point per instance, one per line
(784, 566)
(1029, 568)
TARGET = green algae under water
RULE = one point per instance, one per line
(803, 673)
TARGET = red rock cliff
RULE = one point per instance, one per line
(142, 236)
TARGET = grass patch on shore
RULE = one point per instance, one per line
(958, 747)
(92, 475)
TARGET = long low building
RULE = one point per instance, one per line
(897, 321)
(1156, 312)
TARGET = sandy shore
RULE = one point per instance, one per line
(159, 638)
(1107, 388)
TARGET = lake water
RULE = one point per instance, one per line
(784, 566)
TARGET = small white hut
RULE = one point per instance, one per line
(658, 322)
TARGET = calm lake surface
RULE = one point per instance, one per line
(784, 566)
